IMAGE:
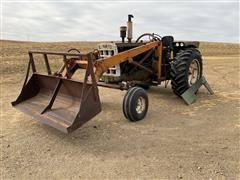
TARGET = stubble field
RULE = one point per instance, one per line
(174, 141)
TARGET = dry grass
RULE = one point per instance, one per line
(14, 53)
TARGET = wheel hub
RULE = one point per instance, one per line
(141, 105)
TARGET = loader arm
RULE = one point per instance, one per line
(102, 65)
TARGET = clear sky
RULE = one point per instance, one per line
(214, 20)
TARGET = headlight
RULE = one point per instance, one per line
(177, 44)
(181, 44)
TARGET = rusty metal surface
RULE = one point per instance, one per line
(53, 53)
(59, 102)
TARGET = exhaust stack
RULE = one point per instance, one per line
(129, 28)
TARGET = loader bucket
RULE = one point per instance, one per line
(62, 103)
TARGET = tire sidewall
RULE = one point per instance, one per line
(130, 103)
(180, 69)
(134, 115)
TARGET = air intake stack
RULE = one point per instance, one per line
(123, 33)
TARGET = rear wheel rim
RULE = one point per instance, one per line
(141, 105)
(193, 72)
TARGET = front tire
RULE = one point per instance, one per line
(135, 104)
(186, 69)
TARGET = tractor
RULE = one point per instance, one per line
(58, 100)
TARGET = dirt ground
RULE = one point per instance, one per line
(174, 141)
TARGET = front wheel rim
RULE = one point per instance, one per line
(141, 105)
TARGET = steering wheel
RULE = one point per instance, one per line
(73, 49)
(151, 37)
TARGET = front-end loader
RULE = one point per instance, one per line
(58, 100)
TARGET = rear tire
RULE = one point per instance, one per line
(186, 69)
(135, 104)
